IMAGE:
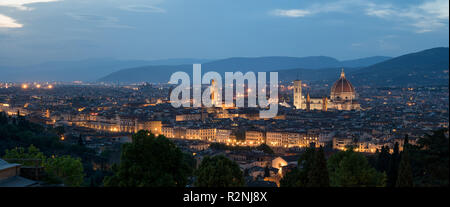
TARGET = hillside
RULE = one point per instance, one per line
(84, 70)
(363, 62)
(428, 67)
(258, 64)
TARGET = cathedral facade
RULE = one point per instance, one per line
(342, 97)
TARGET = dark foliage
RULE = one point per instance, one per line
(219, 171)
(150, 161)
(263, 147)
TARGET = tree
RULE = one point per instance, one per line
(291, 179)
(392, 172)
(3, 118)
(266, 172)
(305, 164)
(65, 169)
(430, 159)
(239, 133)
(406, 140)
(150, 161)
(351, 169)
(218, 171)
(220, 146)
(265, 148)
(80, 140)
(318, 175)
(300, 177)
(405, 177)
(383, 158)
(60, 130)
(27, 157)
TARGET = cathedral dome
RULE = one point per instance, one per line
(342, 88)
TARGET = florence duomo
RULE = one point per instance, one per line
(342, 97)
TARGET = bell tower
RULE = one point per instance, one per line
(298, 94)
(213, 93)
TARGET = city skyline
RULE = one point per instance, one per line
(224, 93)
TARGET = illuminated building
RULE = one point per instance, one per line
(154, 127)
(222, 135)
(188, 117)
(342, 97)
(168, 132)
(298, 94)
(254, 138)
(292, 139)
(341, 143)
(207, 134)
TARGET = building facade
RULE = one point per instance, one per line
(342, 97)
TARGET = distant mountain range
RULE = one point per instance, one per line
(428, 67)
(95, 69)
(363, 62)
(258, 64)
(84, 70)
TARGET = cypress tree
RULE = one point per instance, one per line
(80, 140)
(318, 175)
(406, 140)
(383, 159)
(405, 177)
(392, 173)
(266, 172)
(3, 118)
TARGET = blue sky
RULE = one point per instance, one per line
(33, 31)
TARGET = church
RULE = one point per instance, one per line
(342, 97)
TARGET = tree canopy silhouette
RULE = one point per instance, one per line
(219, 171)
(150, 161)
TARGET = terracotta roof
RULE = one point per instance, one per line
(342, 85)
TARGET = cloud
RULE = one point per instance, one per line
(381, 11)
(437, 8)
(291, 12)
(21, 4)
(8, 22)
(143, 9)
(99, 20)
(428, 16)
(92, 17)
(337, 6)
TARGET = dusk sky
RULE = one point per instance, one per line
(34, 31)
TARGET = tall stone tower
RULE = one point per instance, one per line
(213, 92)
(298, 94)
